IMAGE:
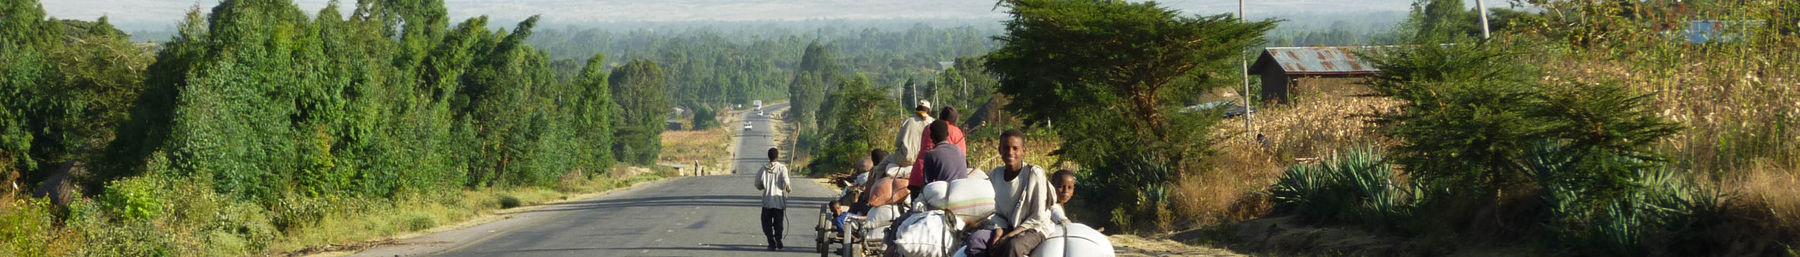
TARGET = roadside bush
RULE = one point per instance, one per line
(706, 117)
(294, 212)
(415, 221)
(1354, 186)
(509, 202)
(1476, 121)
(1659, 210)
(134, 199)
(27, 228)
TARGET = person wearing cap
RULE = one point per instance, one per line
(909, 143)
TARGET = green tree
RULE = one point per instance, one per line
(639, 89)
(594, 113)
(1116, 63)
(1111, 76)
(861, 115)
(1478, 121)
(26, 40)
(1443, 19)
(806, 93)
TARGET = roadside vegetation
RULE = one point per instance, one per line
(1587, 129)
(259, 129)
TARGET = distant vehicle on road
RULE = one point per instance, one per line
(747, 127)
(758, 104)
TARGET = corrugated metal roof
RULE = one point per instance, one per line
(1329, 60)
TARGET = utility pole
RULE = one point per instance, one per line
(1481, 8)
(1245, 61)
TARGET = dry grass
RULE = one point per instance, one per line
(1739, 107)
(1767, 194)
(1328, 114)
(984, 155)
(711, 147)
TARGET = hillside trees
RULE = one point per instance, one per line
(263, 102)
(860, 119)
(67, 84)
(818, 70)
(966, 85)
(26, 40)
(1443, 19)
(639, 87)
(1111, 76)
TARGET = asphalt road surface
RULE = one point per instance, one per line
(688, 216)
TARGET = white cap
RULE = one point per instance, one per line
(925, 103)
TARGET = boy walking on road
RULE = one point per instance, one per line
(773, 181)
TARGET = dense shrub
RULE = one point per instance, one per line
(135, 199)
(26, 227)
(1658, 210)
(1356, 186)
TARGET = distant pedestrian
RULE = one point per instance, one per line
(773, 181)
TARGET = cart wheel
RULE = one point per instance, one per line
(823, 230)
(850, 249)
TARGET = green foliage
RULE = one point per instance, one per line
(1657, 210)
(1475, 120)
(415, 221)
(1465, 115)
(807, 91)
(705, 117)
(509, 202)
(66, 83)
(1355, 186)
(1443, 19)
(134, 199)
(639, 89)
(966, 85)
(23, 226)
(1138, 179)
(1472, 112)
(595, 116)
(1111, 75)
(860, 117)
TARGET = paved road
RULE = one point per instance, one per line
(689, 216)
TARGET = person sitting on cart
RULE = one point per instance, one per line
(885, 186)
(1064, 183)
(1022, 201)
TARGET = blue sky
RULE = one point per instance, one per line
(149, 14)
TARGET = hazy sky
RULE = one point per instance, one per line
(153, 14)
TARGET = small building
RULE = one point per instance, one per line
(1282, 67)
(672, 125)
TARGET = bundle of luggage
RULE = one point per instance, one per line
(946, 212)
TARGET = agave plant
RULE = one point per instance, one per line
(1350, 186)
